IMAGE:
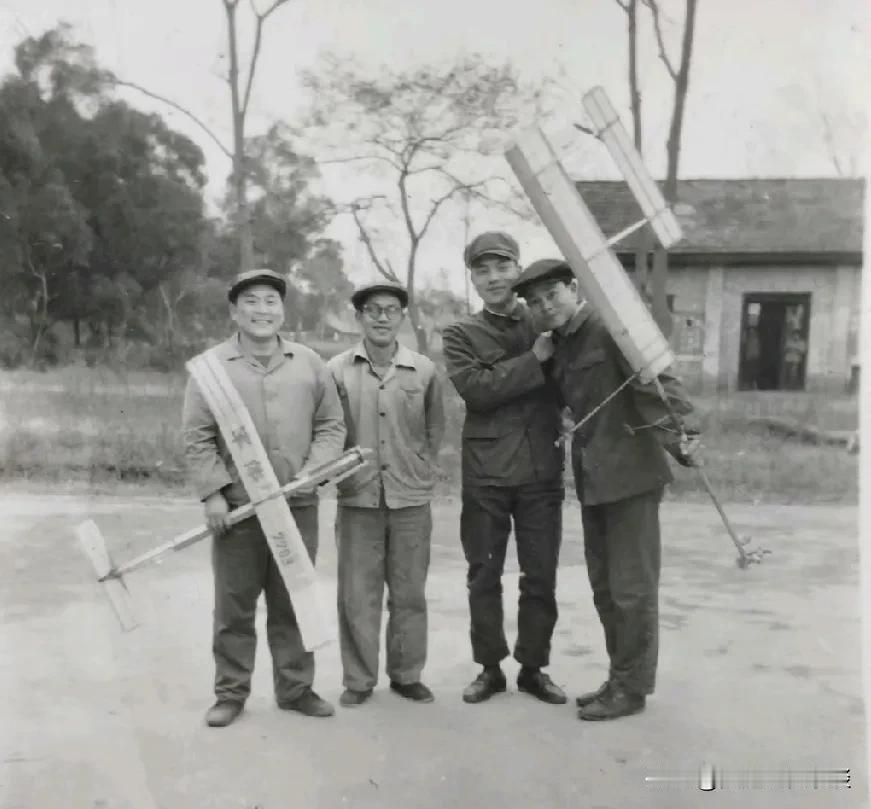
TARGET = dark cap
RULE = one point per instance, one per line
(494, 243)
(362, 294)
(546, 269)
(251, 277)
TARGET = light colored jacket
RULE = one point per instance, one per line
(400, 416)
(294, 406)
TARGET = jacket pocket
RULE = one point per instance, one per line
(410, 411)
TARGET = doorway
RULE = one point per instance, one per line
(774, 341)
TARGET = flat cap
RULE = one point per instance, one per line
(545, 269)
(251, 277)
(362, 294)
(492, 242)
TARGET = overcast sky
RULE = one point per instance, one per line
(764, 72)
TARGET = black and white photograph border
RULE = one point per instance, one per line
(150, 154)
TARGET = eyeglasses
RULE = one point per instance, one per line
(374, 311)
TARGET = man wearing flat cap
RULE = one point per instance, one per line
(620, 471)
(511, 471)
(393, 405)
(293, 402)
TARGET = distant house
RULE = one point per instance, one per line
(765, 287)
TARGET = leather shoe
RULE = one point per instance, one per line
(484, 686)
(222, 713)
(351, 698)
(309, 704)
(540, 686)
(592, 696)
(417, 692)
(612, 705)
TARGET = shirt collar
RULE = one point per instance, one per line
(515, 314)
(231, 349)
(403, 356)
(578, 319)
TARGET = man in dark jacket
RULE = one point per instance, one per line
(620, 472)
(511, 470)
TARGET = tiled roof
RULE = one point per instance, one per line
(746, 216)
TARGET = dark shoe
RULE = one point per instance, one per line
(612, 705)
(592, 696)
(222, 713)
(487, 683)
(417, 692)
(540, 686)
(309, 704)
(350, 698)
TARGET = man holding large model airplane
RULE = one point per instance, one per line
(620, 472)
(293, 403)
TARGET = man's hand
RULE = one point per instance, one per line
(685, 451)
(308, 488)
(217, 509)
(543, 347)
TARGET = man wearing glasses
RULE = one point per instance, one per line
(392, 400)
(512, 471)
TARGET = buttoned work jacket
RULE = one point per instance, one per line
(295, 408)
(620, 451)
(512, 415)
(400, 416)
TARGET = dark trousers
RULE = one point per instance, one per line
(622, 548)
(485, 523)
(243, 567)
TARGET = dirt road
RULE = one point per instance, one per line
(759, 669)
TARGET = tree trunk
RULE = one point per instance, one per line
(414, 318)
(411, 269)
(659, 290)
(77, 333)
(634, 91)
(42, 327)
(240, 191)
(642, 249)
(642, 256)
(681, 88)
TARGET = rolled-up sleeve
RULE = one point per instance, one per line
(206, 469)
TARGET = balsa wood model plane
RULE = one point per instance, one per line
(267, 502)
(538, 168)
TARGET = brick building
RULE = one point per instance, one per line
(765, 286)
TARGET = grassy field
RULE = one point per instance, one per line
(99, 428)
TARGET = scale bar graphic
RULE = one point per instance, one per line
(709, 778)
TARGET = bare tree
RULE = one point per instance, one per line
(240, 99)
(680, 75)
(642, 249)
(417, 136)
(241, 87)
(630, 7)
